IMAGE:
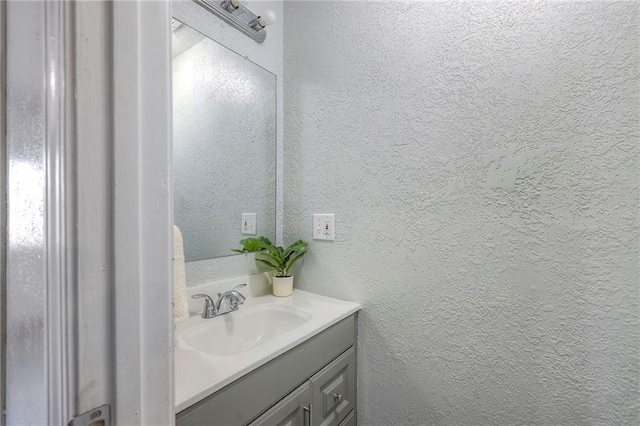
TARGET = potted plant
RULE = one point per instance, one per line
(278, 258)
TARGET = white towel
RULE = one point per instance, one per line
(180, 303)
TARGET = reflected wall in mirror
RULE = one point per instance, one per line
(224, 144)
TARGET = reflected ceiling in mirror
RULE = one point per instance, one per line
(224, 145)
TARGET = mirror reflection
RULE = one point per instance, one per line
(224, 145)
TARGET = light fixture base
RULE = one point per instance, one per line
(239, 18)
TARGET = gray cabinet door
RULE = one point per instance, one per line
(350, 420)
(293, 410)
(334, 391)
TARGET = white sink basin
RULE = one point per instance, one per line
(242, 330)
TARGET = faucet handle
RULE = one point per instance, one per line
(209, 307)
(239, 295)
(206, 297)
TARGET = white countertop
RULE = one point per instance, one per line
(198, 375)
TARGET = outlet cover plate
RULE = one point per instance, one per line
(324, 226)
(249, 224)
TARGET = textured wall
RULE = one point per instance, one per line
(224, 148)
(482, 162)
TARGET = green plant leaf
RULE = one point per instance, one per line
(266, 262)
(250, 245)
(264, 240)
(275, 257)
(267, 246)
(297, 247)
(293, 260)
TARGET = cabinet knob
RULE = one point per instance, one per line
(337, 397)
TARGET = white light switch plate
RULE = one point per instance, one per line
(324, 227)
(249, 223)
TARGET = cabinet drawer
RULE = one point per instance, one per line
(291, 411)
(334, 391)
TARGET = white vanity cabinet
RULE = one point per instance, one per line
(312, 384)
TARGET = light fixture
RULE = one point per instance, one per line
(234, 13)
(268, 18)
(231, 5)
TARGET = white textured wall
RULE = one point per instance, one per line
(269, 56)
(482, 162)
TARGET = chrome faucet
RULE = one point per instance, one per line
(213, 309)
(235, 298)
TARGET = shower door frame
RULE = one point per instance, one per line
(98, 295)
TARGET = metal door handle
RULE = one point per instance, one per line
(337, 397)
(309, 410)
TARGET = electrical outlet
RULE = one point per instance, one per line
(249, 223)
(324, 227)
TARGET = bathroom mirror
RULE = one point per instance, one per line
(224, 145)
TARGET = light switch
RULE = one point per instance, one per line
(324, 226)
(249, 223)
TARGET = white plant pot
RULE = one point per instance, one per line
(282, 286)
